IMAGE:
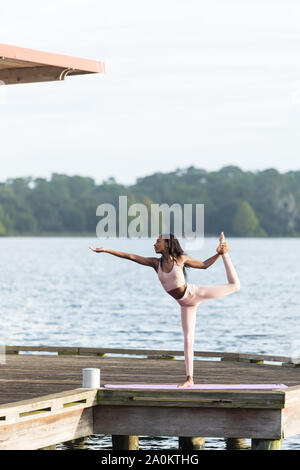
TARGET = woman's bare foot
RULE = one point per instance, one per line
(188, 383)
(223, 247)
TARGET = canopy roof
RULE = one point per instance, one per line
(20, 65)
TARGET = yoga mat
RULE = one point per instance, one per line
(198, 386)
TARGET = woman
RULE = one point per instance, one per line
(170, 268)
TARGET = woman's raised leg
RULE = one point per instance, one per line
(188, 312)
(212, 292)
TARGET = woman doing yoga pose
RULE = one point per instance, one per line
(170, 268)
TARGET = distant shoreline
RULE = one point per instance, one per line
(93, 235)
(45, 235)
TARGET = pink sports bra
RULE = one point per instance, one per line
(175, 278)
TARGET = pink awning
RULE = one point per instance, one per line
(20, 65)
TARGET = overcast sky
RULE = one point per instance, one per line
(207, 83)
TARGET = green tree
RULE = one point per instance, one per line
(238, 202)
(245, 221)
(5, 222)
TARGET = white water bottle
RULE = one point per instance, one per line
(90, 378)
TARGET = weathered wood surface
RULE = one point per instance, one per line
(42, 422)
(291, 412)
(47, 405)
(71, 413)
(44, 431)
(193, 398)
(188, 421)
(75, 350)
(28, 376)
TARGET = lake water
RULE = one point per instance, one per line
(55, 291)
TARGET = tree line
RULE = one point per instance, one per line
(243, 203)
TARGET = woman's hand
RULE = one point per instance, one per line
(97, 250)
(222, 248)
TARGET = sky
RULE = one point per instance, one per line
(188, 82)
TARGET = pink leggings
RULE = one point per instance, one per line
(195, 294)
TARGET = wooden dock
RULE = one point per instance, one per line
(42, 402)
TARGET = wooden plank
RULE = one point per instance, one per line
(46, 405)
(66, 349)
(6, 63)
(151, 352)
(31, 74)
(291, 412)
(291, 421)
(251, 361)
(187, 421)
(27, 376)
(192, 398)
(95, 351)
(45, 431)
(265, 357)
(292, 396)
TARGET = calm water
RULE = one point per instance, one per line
(56, 291)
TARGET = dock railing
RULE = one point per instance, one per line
(287, 361)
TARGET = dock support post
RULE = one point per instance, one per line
(125, 442)
(266, 444)
(236, 444)
(191, 443)
(78, 443)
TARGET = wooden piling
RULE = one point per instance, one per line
(236, 444)
(78, 443)
(266, 444)
(191, 443)
(121, 442)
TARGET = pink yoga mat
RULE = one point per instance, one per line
(198, 386)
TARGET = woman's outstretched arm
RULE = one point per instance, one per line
(130, 256)
(212, 292)
(195, 263)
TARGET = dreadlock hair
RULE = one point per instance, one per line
(174, 248)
